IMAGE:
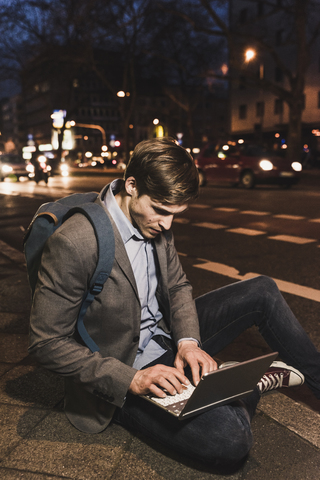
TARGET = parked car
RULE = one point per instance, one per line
(246, 165)
(12, 165)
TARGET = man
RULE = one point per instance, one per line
(145, 322)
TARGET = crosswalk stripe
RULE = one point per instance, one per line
(246, 231)
(289, 217)
(292, 239)
(213, 226)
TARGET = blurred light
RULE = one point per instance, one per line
(224, 69)
(105, 154)
(188, 150)
(266, 165)
(42, 158)
(196, 150)
(127, 94)
(114, 162)
(30, 168)
(225, 147)
(240, 141)
(30, 148)
(45, 147)
(156, 121)
(85, 137)
(117, 143)
(249, 54)
(72, 123)
(131, 126)
(284, 146)
(296, 166)
(104, 148)
(221, 155)
(6, 168)
(316, 132)
(121, 94)
(58, 117)
(277, 135)
(88, 154)
(93, 164)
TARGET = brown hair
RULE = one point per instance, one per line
(164, 170)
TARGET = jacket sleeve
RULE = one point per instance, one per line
(66, 268)
(184, 318)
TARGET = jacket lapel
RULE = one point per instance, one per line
(121, 256)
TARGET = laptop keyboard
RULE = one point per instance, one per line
(178, 397)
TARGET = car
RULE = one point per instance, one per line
(12, 165)
(246, 164)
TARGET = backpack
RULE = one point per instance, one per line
(46, 220)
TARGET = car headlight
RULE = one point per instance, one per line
(296, 166)
(6, 168)
(266, 165)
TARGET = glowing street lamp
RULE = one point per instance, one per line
(250, 54)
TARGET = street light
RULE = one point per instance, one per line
(250, 54)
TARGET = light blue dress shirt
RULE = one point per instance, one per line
(143, 259)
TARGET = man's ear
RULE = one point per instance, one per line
(131, 186)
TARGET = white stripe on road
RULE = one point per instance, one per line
(293, 239)
(198, 205)
(289, 217)
(288, 287)
(213, 226)
(254, 212)
(246, 231)
(226, 209)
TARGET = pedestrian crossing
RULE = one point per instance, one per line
(281, 237)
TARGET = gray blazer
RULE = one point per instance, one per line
(97, 383)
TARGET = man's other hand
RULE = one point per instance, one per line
(155, 379)
(200, 363)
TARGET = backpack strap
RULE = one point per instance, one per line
(106, 250)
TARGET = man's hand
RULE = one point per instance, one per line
(190, 354)
(150, 379)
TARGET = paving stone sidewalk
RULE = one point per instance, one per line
(37, 442)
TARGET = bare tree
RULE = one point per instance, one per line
(287, 23)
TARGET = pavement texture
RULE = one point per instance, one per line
(37, 441)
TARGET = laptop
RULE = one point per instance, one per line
(216, 388)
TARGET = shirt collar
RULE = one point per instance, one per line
(125, 227)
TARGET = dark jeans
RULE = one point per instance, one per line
(224, 433)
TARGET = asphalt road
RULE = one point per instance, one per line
(227, 235)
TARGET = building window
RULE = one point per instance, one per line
(278, 74)
(278, 106)
(243, 17)
(242, 112)
(259, 109)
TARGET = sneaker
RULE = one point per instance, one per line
(280, 375)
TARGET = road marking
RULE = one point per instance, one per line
(226, 209)
(181, 220)
(12, 253)
(289, 217)
(293, 239)
(254, 212)
(288, 287)
(213, 226)
(246, 231)
(198, 205)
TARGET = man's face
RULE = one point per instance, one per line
(150, 216)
